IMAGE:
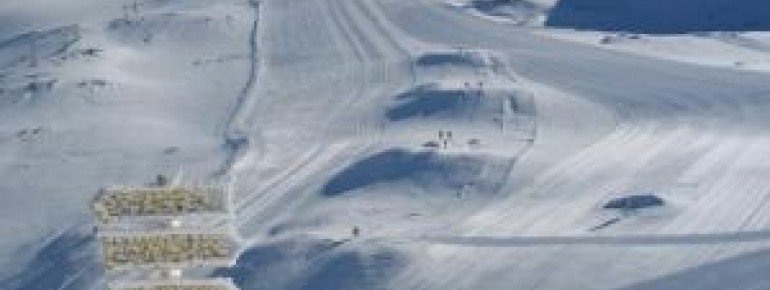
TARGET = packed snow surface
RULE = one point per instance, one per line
(471, 144)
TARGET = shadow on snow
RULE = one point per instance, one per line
(67, 262)
(315, 265)
(427, 102)
(426, 169)
(662, 16)
(747, 271)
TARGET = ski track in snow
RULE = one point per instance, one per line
(236, 143)
(371, 66)
(640, 240)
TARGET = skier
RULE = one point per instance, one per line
(161, 180)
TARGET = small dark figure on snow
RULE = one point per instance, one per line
(356, 231)
(161, 180)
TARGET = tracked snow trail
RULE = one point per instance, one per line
(235, 140)
(302, 103)
(748, 236)
(620, 240)
(251, 79)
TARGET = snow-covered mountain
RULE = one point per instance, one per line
(472, 145)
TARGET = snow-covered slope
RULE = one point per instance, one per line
(329, 115)
(742, 51)
(113, 100)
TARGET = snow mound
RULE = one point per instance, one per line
(425, 169)
(518, 12)
(458, 65)
(426, 101)
(467, 92)
(450, 58)
(328, 264)
(441, 102)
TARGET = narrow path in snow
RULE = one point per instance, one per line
(607, 240)
(235, 137)
(624, 240)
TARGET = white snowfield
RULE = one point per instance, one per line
(324, 115)
(742, 51)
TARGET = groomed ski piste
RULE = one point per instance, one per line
(629, 154)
